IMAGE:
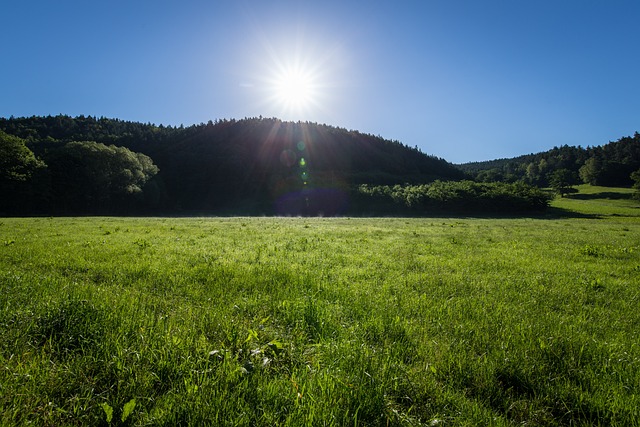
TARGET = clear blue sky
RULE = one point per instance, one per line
(463, 80)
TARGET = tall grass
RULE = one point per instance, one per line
(313, 321)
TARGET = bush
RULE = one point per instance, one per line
(454, 196)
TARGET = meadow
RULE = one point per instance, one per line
(324, 321)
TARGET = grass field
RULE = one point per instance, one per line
(324, 321)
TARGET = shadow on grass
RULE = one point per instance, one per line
(556, 213)
(602, 195)
(550, 213)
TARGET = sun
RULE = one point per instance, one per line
(295, 89)
(294, 78)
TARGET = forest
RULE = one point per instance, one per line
(611, 164)
(62, 165)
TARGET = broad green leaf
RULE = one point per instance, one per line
(108, 410)
(128, 409)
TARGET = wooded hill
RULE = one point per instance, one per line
(256, 166)
(94, 165)
(609, 165)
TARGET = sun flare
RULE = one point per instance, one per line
(295, 89)
(295, 79)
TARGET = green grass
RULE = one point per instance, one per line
(600, 201)
(314, 321)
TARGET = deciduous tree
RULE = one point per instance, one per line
(635, 176)
(17, 161)
(561, 181)
(95, 177)
(18, 164)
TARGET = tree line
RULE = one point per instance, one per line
(78, 177)
(89, 165)
(611, 164)
(62, 165)
(454, 197)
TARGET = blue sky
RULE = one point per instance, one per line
(462, 80)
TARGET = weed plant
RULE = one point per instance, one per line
(316, 321)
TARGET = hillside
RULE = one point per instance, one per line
(610, 164)
(252, 166)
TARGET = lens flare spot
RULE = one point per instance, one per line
(303, 162)
(288, 158)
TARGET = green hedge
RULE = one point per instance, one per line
(452, 196)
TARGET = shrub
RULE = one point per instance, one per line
(455, 196)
